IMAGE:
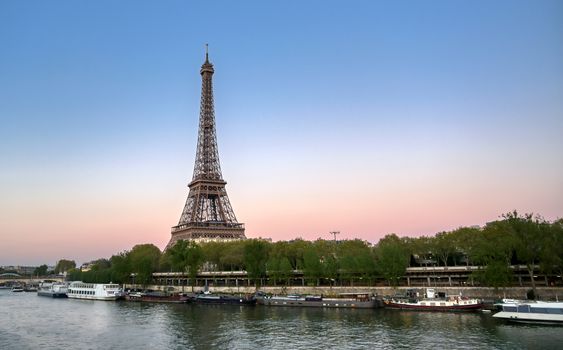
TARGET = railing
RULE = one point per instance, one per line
(414, 276)
(214, 225)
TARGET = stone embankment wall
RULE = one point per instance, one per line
(545, 293)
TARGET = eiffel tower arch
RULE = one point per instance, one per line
(208, 214)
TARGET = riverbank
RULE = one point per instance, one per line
(544, 293)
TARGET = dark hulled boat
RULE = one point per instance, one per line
(208, 298)
(350, 300)
(434, 302)
(158, 297)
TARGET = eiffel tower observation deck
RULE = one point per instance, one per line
(208, 214)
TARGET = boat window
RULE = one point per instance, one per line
(555, 311)
(509, 308)
(523, 308)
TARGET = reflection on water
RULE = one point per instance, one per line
(29, 322)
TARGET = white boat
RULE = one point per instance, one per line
(531, 311)
(94, 291)
(17, 289)
(53, 289)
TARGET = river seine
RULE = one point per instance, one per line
(28, 321)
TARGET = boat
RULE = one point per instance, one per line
(346, 300)
(433, 302)
(94, 291)
(541, 312)
(52, 289)
(30, 288)
(158, 297)
(209, 298)
(17, 289)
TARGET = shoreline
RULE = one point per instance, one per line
(487, 293)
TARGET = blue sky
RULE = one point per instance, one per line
(367, 117)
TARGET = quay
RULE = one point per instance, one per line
(451, 279)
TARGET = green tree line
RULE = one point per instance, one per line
(512, 240)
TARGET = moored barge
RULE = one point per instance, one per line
(158, 297)
(209, 298)
(349, 300)
(434, 302)
(52, 289)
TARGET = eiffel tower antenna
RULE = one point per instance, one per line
(207, 214)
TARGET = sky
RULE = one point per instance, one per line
(364, 117)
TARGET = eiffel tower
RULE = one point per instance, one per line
(207, 215)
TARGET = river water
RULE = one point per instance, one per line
(28, 321)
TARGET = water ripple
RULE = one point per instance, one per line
(31, 322)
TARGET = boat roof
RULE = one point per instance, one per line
(532, 303)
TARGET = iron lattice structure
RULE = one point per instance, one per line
(208, 214)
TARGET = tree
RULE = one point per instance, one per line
(496, 274)
(186, 256)
(255, 259)
(356, 260)
(392, 258)
(213, 254)
(41, 270)
(120, 267)
(233, 255)
(273, 269)
(295, 250)
(312, 266)
(348, 267)
(285, 270)
(422, 249)
(444, 246)
(493, 250)
(360, 256)
(64, 265)
(74, 275)
(531, 238)
(551, 260)
(463, 241)
(179, 255)
(194, 260)
(367, 266)
(144, 260)
(331, 267)
(101, 264)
